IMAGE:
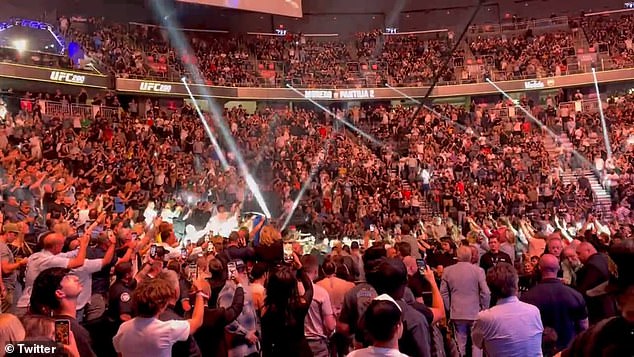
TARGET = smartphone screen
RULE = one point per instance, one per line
(422, 265)
(153, 251)
(232, 270)
(288, 252)
(372, 228)
(62, 332)
(193, 271)
(134, 235)
(184, 253)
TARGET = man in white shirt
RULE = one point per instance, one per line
(51, 256)
(146, 335)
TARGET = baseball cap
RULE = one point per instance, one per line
(11, 227)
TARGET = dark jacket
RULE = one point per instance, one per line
(210, 336)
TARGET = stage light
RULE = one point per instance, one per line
(20, 45)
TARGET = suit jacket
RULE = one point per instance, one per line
(464, 290)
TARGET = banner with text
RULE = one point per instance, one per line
(53, 75)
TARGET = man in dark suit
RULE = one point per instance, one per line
(561, 307)
(465, 293)
(593, 273)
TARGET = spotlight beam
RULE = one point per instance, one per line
(535, 120)
(604, 126)
(344, 122)
(304, 188)
(181, 44)
(214, 142)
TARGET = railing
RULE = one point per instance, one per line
(52, 108)
(518, 26)
(583, 106)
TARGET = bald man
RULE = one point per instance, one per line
(51, 256)
(561, 308)
(593, 273)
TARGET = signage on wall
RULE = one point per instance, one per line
(355, 94)
(534, 85)
(67, 77)
(318, 94)
(155, 87)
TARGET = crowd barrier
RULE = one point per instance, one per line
(52, 108)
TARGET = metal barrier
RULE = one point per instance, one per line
(62, 109)
(518, 26)
(584, 106)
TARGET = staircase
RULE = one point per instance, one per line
(602, 201)
(558, 148)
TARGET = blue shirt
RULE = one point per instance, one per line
(510, 329)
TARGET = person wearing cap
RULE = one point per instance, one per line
(9, 266)
(383, 322)
(390, 277)
(120, 294)
(613, 335)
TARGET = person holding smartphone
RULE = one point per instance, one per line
(146, 334)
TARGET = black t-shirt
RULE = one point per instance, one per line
(120, 300)
(490, 259)
(100, 279)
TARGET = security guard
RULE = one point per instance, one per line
(120, 294)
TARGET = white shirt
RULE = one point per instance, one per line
(376, 352)
(149, 336)
(38, 262)
(84, 273)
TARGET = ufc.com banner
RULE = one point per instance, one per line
(53, 75)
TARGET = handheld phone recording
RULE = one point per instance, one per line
(193, 271)
(232, 270)
(134, 235)
(372, 228)
(184, 253)
(288, 252)
(62, 331)
(422, 266)
(153, 251)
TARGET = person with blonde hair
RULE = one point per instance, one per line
(270, 249)
(11, 330)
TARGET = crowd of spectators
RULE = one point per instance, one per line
(530, 55)
(453, 186)
(611, 34)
